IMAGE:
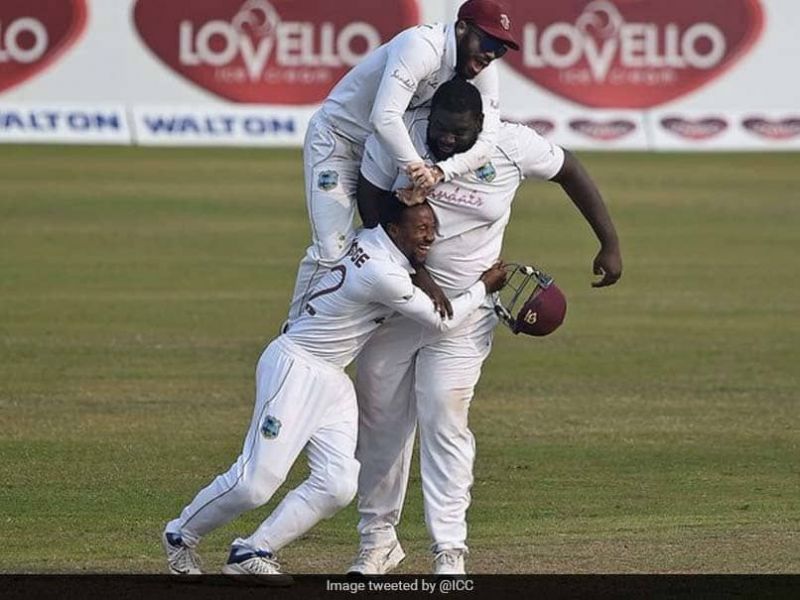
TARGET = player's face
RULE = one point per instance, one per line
(452, 132)
(475, 49)
(415, 233)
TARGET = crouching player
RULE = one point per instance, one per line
(304, 399)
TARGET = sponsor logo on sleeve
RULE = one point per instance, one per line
(328, 180)
(695, 129)
(268, 51)
(631, 53)
(270, 427)
(773, 129)
(486, 173)
(34, 34)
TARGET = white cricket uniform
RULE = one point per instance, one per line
(402, 362)
(372, 98)
(305, 399)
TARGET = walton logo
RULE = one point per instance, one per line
(283, 51)
(631, 53)
(34, 33)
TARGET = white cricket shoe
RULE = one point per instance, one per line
(449, 562)
(377, 561)
(260, 564)
(181, 558)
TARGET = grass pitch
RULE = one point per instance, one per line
(657, 431)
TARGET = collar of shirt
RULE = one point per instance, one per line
(382, 238)
(450, 55)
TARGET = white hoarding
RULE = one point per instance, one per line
(616, 74)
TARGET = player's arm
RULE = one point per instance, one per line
(585, 195)
(375, 178)
(411, 58)
(396, 291)
(369, 198)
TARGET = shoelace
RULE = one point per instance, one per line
(262, 564)
(371, 555)
(186, 558)
(446, 556)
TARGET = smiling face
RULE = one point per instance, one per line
(452, 132)
(475, 50)
(415, 232)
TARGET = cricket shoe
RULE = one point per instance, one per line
(259, 564)
(377, 561)
(181, 558)
(449, 562)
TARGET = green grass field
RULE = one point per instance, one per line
(657, 431)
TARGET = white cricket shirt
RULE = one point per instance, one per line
(364, 288)
(402, 75)
(472, 209)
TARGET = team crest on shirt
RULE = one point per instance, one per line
(328, 180)
(486, 173)
(270, 427)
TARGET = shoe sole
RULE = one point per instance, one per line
(236, 572)
(395, 557)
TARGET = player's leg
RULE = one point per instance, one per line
(331, 484)
(387, 424)
(279, 430)
(331, 164)
(446, 374)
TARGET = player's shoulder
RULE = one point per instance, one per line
(514, 140)
(433, 32)
(531, 153)
(374, 259)
(421, 37)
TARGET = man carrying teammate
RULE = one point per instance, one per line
(304, 399)
(408, 376)
(372, 98)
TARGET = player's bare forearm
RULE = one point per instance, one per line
(369, 198)
(423, 280)
(583, 192)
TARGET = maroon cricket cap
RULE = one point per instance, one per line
(543, 312)
(492, 17)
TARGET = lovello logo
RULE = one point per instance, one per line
(631, 53)
(699, 129)
(268, 51)
(34, 33)
(773, 129)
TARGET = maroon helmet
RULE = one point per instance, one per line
(533, 304)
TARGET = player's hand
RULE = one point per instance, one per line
(495, 277)
(441, 303)
(607, 264)
(423, 176)
(411, 196)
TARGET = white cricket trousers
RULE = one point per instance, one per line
(406, 376)
(301, 401)
(331, 163)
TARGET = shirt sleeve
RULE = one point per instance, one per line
(536, 156)
(377, 166)
(411, 58)
(396, 291)
(477, 156)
